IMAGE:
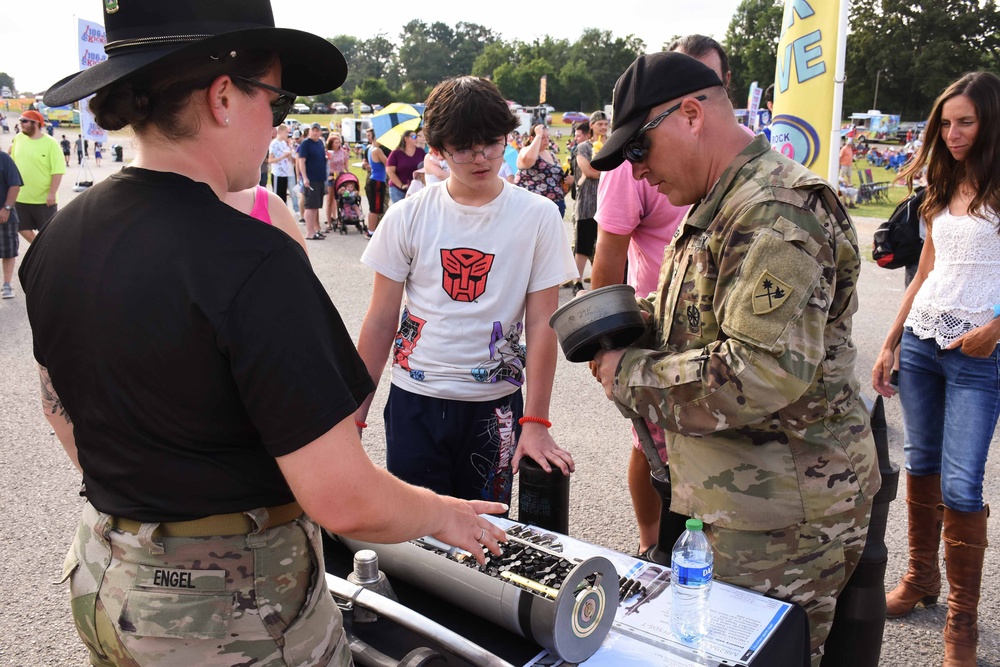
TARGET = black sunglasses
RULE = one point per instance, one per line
(637, 147)
(25, 121)
(280, 106)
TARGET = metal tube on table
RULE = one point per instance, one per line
(568, 613)
(442, 636)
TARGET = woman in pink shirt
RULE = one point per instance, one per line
(337, 157)
(264, 205)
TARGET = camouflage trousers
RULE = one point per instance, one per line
(258, 599)
(808, 564)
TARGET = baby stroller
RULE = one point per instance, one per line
(348, 202)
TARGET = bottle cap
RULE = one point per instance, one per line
(694, 524)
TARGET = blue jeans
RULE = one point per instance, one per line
(951, 403)
(395, 194)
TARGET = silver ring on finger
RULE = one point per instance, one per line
(482, 536)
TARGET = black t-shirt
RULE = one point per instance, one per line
(190, 345)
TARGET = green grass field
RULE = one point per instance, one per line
(897, 190)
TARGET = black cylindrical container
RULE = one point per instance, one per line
(671, 523)
(543, 497)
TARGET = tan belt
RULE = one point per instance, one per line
(236, 523)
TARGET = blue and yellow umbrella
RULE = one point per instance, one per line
(392, 122)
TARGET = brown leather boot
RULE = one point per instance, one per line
(964, 550)
(922, 581)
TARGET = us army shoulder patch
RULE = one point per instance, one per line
(769, 293)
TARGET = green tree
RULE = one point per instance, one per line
(914, 49)
(547, 48)
(425, 51)
(751, 44)
(493, 56)
(471, 39)
(7, 80)
(374, 91)
(606, 57)
(414, 92)
(522, 82)
(350, 47)
(377, 58)
(577, 89)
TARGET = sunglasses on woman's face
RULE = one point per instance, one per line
(280, 106)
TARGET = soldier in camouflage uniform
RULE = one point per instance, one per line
(748, 362)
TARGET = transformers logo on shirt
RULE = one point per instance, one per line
(465, 271)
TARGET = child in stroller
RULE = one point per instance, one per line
(348, 202)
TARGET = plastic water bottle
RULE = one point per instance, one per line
(691, 580)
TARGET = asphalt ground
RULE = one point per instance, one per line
(39, 503)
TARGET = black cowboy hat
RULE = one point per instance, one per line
(143, 32)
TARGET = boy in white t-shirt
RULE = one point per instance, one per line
(480, 262)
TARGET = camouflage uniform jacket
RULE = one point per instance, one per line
(751, 371)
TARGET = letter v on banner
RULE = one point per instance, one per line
(809, 83)
(92, 38)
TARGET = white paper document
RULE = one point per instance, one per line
(741, 621)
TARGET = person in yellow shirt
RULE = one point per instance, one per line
(39, 159)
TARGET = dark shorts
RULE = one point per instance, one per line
(314, 197)
(9, 237)
(458, 448)
(34, 216)
(378, 196)
(585, 239)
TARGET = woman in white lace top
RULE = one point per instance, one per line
(949, 379)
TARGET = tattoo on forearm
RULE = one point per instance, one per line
(51, 402)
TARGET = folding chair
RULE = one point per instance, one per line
(879, 190)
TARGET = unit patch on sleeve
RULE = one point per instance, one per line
(769, 293)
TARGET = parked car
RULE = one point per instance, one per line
(319, 107)
(571, 117)
(549, 107)
(376, 107)
(293, 124)
(339, 107)
(300, 108)
(365, 108)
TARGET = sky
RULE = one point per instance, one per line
(37, 48)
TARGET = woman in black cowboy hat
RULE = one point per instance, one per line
(188, 365)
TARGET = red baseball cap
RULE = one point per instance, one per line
(31, 114)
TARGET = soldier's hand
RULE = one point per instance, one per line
(882, 371)
(607, 368)
(465, 529)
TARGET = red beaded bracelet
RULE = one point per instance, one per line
(538, 420)
(360, 424)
